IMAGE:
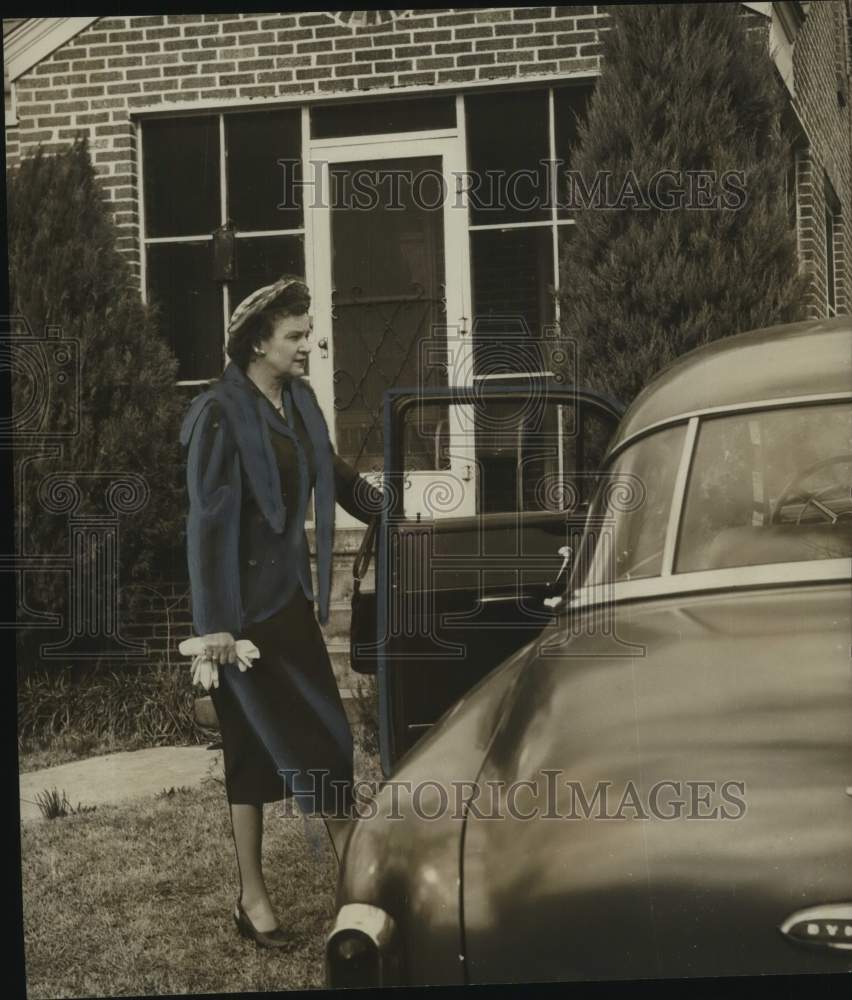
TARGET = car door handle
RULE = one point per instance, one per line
(554, 600)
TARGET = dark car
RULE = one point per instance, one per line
(644, 765)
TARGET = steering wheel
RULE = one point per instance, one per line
(816, 498)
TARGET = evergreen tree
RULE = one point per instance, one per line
(684, 87)
(66, 271)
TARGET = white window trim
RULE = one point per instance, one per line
(36, 39)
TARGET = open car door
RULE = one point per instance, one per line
(485, 488)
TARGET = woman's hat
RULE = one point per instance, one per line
(258, 301)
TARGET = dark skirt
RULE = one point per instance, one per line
(284, 730)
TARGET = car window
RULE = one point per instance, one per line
(630, 513)
(522, 446)
(767, 487)
(515, 455)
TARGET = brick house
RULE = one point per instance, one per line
(183, 113)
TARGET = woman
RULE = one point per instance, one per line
(258, 443)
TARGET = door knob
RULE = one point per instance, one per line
(322, 344)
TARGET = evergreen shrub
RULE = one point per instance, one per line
(684, 87)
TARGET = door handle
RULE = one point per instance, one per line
(322, 344)
(556, 599)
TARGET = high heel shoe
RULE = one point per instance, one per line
(277, 938)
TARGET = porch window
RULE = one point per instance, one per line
(199, 173)
(513, 277)
(519, 146)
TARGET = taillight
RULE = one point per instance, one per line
(362, 948)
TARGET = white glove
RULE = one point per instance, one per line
(204, 671)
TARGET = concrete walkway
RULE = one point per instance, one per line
(119, 777)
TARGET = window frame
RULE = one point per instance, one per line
(145, 241)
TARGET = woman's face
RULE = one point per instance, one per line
(287, 347)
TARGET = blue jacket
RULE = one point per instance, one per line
(246, 553)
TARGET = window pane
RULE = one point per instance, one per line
(769, 487)
(425, 438)
(569, 104)
(630, 513)
(258, 185)
(180, 281)
(508, 133)
(512, 292)
(375, 117)
(262, 260)
(532, 454)
(564, 236)
(181, 168)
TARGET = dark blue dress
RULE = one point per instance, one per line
(283, 726)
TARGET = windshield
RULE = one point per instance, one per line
(630, 512)
(769, 486)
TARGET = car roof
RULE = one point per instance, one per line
(811, 358)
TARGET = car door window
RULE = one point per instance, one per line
(518, 455)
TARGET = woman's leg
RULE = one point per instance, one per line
(247, 826)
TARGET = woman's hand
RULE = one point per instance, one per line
(210, 650)
(219, 647)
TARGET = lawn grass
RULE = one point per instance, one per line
(137, 899)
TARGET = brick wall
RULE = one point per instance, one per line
(120, 64)
(160, 617)
(828, 128)
(840, 243)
